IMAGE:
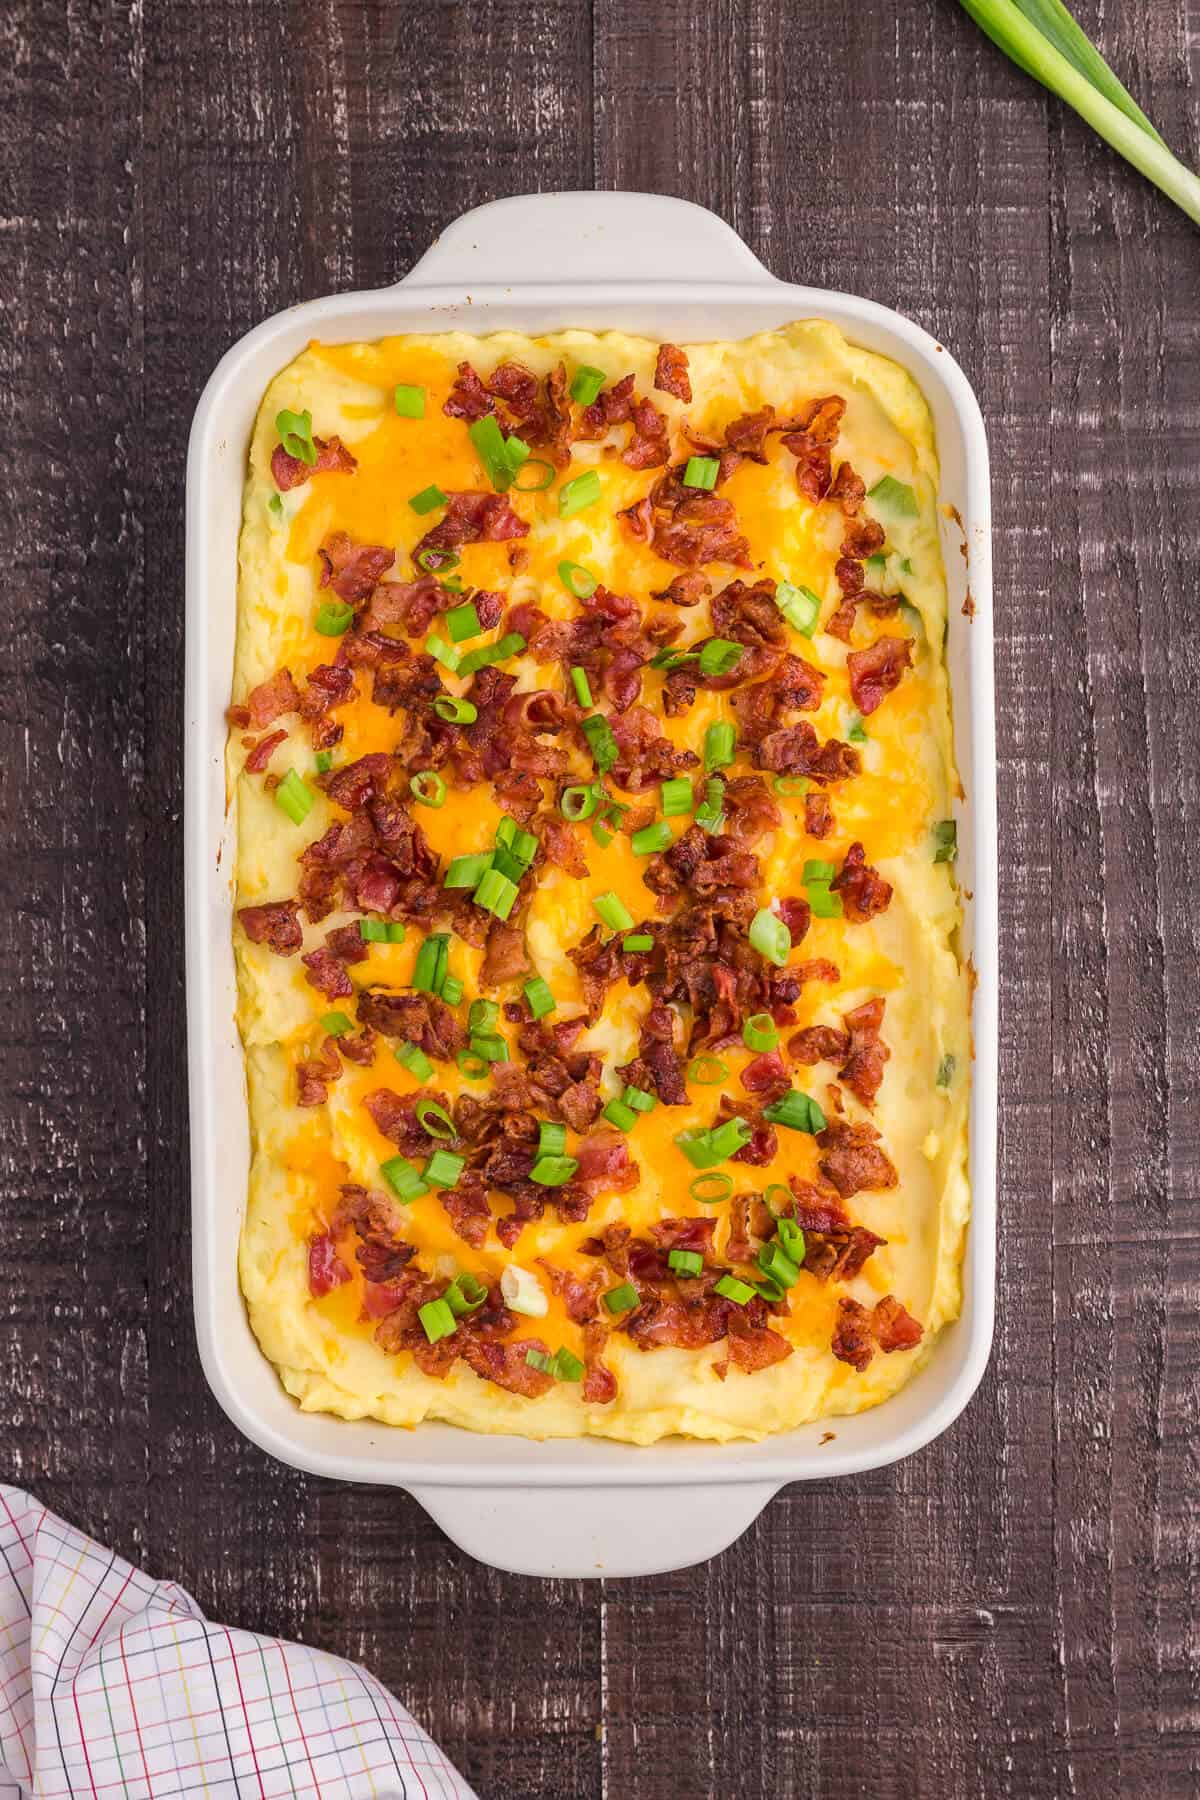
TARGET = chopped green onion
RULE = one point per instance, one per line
(429, 971)
(796, 1111)
(586, 383)
(601, 833)
(638, 944)
(488, 440)
(466, 1293)
(704, 1149)
(541, 479)
(730, 1288)
(720, 656)
(824, 904)
(516, 453)
(718, 745)
(333, 618)
(437, 1320)
(467, 871)
(577, 580)
(711, 1188)
(945, 840)
(707, 1071)
(791, 785)
(553, 1171)
(396, 931)
(336, 1024)
(945, 1073)
(620, 1299)
(452, 990)
(296, 433)
(496, 894)
(414, 1059)
(652, 838)
(552, 1138)
(428, 500)
(566, 1366)
(323, 761)
(511, 644)
(275, 506)
(894, 497)
(578, 802)
(410, 401)
(539, 998)
(405, 1182)
(856, 734)
(444, 1168)
(582, 687)
(760, 1032)
(701, 472)
(816, 870)
(792, 1239)
(433, 559)
(537, 1359)
(622, 1116)
(613, 910)
(799, 606)
(673, 659)
(778, 1266)
(601, 742)
(787, 1200)
(373, 931)
(639, 1099)
(428, 788)
(488, 1045)
(523, 844)
(456, 711)
(462, 622)
(770, 936)
(434, 1120)
(452, 584)
(442, 652)
(471, 1064)
(296, 800)
(574, 496)
(483, 1015)
(676, 796)
(685, 1262)
(710, 816)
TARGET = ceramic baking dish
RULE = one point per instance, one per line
(670, 270)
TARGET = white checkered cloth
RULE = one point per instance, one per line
(116, 1687)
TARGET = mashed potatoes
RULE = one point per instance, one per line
(302, 1274)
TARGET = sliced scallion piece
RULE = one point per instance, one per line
(511, 644)
(577, 580)
(539, 997)
(462, 622)
(406, 1182)
(718, 745)
(796, 1111)
(894, 498)
(701, 472)
(707, 1071)
(799, 606)
(488, 440)
(770, 936)
(652, 838)
(638, 944)
(553, 1171)
(720, 656)
(293, 798)
(428, 788)
(410, 401)
(730, 1288)
(437, 1320)
(428, 500)
(429, 971)
(760, 1032)
(335, 1024)
(945, 841)
(454, 710)
(586, 384)
(614, 912)
(467, 871)
(296, 434)
(601, 742)
(574, 496)
(334, 618)
(581, 685)
(685, 1262)
(620, 1299)
(414, 1059)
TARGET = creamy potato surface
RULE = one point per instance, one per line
(606, 1032)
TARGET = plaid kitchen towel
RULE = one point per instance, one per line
(114, 1685)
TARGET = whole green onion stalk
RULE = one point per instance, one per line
(1042, 38)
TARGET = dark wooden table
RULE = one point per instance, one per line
(1014, 1611)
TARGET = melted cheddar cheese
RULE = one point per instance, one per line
(324, 1344)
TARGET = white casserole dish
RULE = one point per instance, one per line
(665, 268)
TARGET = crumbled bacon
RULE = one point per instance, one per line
(866, 1053)
(599, 1382)
(671, 373)
(754, 1347)
(326, 1270)
(351, 569)
(857, 1332)
(468, 1211)
(796, 750)
(275, 924)
(686, 590)
(747, 434)
(355, 783)
(468, 398)
(875, 671)
(422, 1019)
(313, 1075)
(262, 751)
(506, 1365)
(396, 1117)
(797, 916)
(894, 1326)
(605, 1165)
(412, 605)
(852, 1159)
(682, 1324)
(849, 490)
(645, 756)
(327, 974)
(818, 815)
(581, 1298)
(290, 471)
(864, 891)
(264, 703)
(505, 958)
(766, 1075)
(472, 517)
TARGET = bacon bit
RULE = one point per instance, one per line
(612, 406)
(796, 750)
(473, 517)
(332, 458)
(818, 815)
(755, 1347)
(358, 1046)
(326, 1270)
(605, 1165)
(681, 1324)
(421, 1018)
(751, 812)
(875, 671)
(857, 1331)
(696, 529)
(864, 891)
(797, 916)
(314, 1076)
(649, 447)
(395, 1115)
(351, 569)
(659, 1057)
(262, 751)
(818, 1043)
(468, 398)
(819, 969)
(412, 605)
(849, 490)
(265, 703)
(853, 1160)
(766, 1075)
(599, 1382)
(506, 958)
(691, 1233)
(581, 1298)
(671, 373)
(748, 433)
(505, 1365)
(327, 975)
(686, 590)
(467, 1208)
(864, 537)
(560, 844)
(645, 755)
(862, 1071)
(275, 924)
(839, 1255)
(352, 786)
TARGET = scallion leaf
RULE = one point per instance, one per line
(428, 500)
(467, 871)
(685, 1262)
(718, 745)
(720, 656)
(586, 384)
(410, 401)
(652, 838)
(770, 936)
(577, 580)
(581, 685)
(488, 439)
(334, 618)
(601, 742)
(296, 434)
(454, 710)
(796, 1111)
(620, 1299)
(336, 1024)
(614, 912)
(701, 472)
(894, 498)
(437, 1320)
(553, 1171)
(428, 787)
(496, 894)
(539, 997)
(414, 1059)
(945, 841)
(293, 798)
(462, 622)
(511, 644)
(574, 496)
(799, 606)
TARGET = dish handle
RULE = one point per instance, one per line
(590, 1532)
(579, 239)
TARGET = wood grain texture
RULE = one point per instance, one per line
(1012, 1614)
